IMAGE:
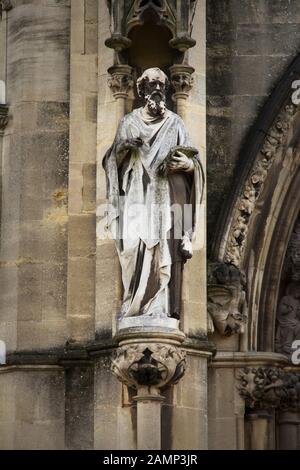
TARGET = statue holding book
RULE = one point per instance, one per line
(154, 188)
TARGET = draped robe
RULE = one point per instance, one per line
(139, 212)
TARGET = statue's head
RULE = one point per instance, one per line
(151, 87)
(288, 306)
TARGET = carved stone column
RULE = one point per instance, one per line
(121, 83)
(288, 417)
(147, 365)
(182, 81)
(262, 389)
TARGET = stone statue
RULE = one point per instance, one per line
(288, 324)
(152, 172)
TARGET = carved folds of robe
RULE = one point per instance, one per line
(142, 218)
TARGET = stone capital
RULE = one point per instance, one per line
(269, 388)
(148, 364)
(5, 5)
(182, 80)
(120, 80)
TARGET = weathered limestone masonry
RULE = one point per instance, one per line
(81, 223)
(249, 46)
(61, 295)
(223, 377)
(254, 169)
(34, 221)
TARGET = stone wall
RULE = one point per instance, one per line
(249, 46)
(34, 221)
(35, 177)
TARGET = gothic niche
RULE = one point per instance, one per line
(226, 302)
(141, 28)
(288, 309)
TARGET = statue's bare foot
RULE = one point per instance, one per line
(186, 247)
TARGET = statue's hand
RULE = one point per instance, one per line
(180, 162)
(130, 144)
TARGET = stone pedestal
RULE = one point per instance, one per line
(147, 360)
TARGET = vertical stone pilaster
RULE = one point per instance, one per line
(82, 172)
(35, 156)
(34, 219)
(111, 405)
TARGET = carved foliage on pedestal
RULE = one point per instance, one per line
(227, 306)
(254, 184)
(151, 364)
(269, 387)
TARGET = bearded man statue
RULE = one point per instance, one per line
(154, 188)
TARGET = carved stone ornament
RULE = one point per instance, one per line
(176, 16)
(245, 204)
(151, 364)
(292, 258)
(5, 5)
(267, 388)
(120, 81)
(182, 80)
(161, 8)
(3, 117)
(288, 321)
(227, 306)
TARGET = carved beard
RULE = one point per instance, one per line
(156, 103)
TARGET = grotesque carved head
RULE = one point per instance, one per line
(227, 305)
(151, 87)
